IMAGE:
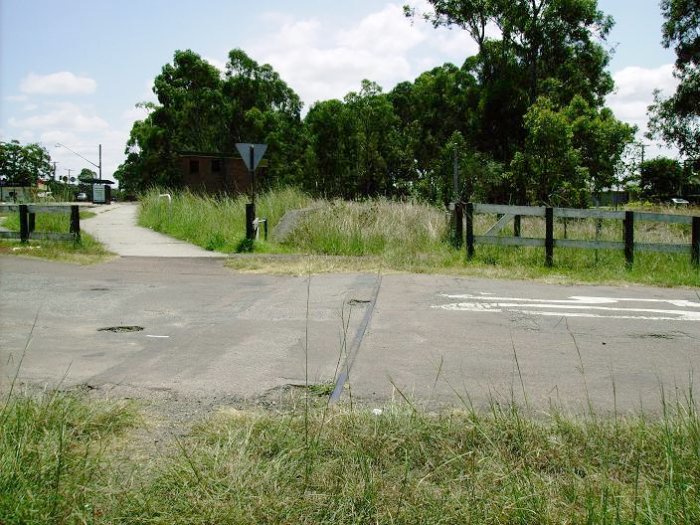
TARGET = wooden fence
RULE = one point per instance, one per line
(27, 222)
(514, 213)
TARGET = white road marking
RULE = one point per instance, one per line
(573, 306)
(159, 336)
(578, 299)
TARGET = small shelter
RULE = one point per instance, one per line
(215, 172)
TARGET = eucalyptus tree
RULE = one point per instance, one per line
(677, 118)
(200, 109)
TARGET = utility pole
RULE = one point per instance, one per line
(54, 170)
(100, 162)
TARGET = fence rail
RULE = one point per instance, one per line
(514, 213)
(27, 222)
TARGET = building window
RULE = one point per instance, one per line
(216, 166)
(194, 167)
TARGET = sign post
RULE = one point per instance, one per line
(251, 154)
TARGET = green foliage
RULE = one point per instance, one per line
(59, 464)
(53, 466)
(485, 116)
(216, 224)
(662, 177)
(86, 174)
(199, 110)
(677, 119)
(548, 167)
(601, 140)
(23, 165)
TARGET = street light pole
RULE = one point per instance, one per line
(98, 166)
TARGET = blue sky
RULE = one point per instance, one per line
(71, 71)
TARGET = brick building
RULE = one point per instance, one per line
(216, 173)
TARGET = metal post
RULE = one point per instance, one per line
(75, 222)
(695, 250)
(252, 173)
(470, 230)
(549, 237)
(459, 224)
(23, 223)
(249, 218)
(598, 230)
(628, 236)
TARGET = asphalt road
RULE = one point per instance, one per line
(211, 332)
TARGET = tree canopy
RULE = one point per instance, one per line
(199, 109)
(522, 121)
(23, 165)
(677, 118)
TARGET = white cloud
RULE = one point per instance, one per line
(17, 98)
(218, 64)
(136, 113)
(321, 61)
(634, 93)
(61, 83)
(386, 32)
(64, 116)
(639, 82)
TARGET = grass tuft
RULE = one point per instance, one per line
(53, 464)
(399, 464)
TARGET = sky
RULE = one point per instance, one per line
(72, 71)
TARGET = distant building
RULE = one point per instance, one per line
(215, 173)
(611, 198)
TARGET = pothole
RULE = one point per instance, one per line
(121, 329)
(355, 302)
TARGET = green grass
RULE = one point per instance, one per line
(350, 466)
(215, 224)
(54, 461)
(88, 251)
(46, 222)
(390, 236)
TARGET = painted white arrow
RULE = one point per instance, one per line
(576, 306)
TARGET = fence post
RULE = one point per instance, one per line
(470, 230)
(23, 223)
(32, 222)
(459, 225)
(549, 237)
(628, 237)
(75, 222)
(695, 249)
(516, 226)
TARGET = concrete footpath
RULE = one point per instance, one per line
(115, 226)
